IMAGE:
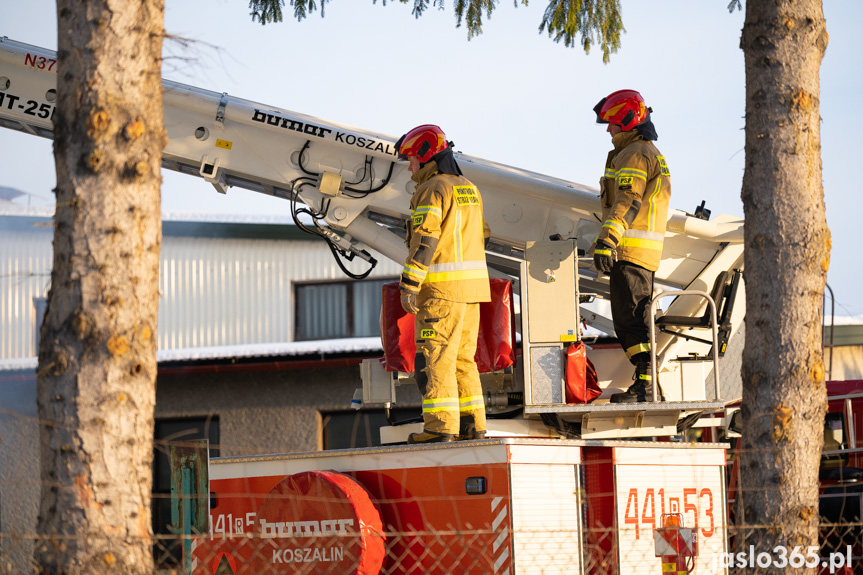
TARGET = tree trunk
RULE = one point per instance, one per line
(787, 252)
(97, 358)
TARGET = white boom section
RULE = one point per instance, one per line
(349, 178)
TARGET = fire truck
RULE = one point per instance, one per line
(557, 486)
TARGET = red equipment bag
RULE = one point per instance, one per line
(582, 385)
(495, 348)
(397, 331)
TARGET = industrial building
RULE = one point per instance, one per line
(260, 338)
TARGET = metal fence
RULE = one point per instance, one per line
(571, 540)
(408, 552)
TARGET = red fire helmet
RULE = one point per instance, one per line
(423, 142)
(624, 108)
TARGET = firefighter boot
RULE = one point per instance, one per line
(640, 391)
(467, 431)
(430, 437)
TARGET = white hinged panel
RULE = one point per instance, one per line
(546, 519)
(668, 483)
(552, 288)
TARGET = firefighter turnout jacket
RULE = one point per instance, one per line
(635, 190)
(445, 238)
(446, 268)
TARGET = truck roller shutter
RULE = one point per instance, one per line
(319, 522)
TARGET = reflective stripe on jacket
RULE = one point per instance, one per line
(446, 244)
(635, 189)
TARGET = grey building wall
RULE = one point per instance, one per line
(222, 284)
(266, 411)
(263, 411)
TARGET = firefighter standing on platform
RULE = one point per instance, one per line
(635, 191)
(444, 279)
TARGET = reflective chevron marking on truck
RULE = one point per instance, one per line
(500, 558)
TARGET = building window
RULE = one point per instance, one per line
(338, 309)
(167, 549)
(353, 429)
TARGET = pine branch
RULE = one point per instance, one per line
(598, 21)
(470, 12)
(266, 11)
(586, 23)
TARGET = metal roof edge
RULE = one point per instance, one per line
(262, 350)
(177, 225)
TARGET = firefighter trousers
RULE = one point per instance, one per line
(631, 289)
(445, 370)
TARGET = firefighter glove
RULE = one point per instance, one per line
(604, 256)
(409, 302)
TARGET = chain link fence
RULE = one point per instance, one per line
(468, 552)
(572, 522)
(450, 552)
(402, 552)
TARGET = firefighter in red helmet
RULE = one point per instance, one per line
(635, 191)
(444, 279)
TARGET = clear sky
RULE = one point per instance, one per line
(510, 95)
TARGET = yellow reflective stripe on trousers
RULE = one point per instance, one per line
(636, 349)
(440, 404)
(470, 403)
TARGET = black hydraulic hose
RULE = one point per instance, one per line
(347, 188)
(295, 211)
(377, 189)
(367, 164)
(347, 272)
(300, 159)
(337, 253)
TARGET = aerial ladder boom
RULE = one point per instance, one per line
(343, 184)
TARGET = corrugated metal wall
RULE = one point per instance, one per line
(214, 292)
(233, 291)
(25, 274)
